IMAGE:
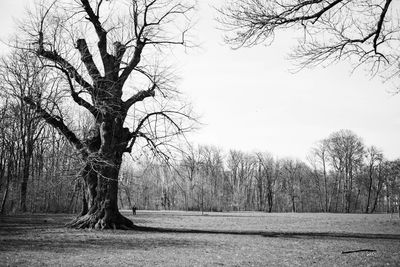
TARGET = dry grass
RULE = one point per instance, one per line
(34, 240)
(291, 222)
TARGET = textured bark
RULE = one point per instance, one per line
(101, 209)
(100, 174)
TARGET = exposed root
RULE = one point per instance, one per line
(100, 221)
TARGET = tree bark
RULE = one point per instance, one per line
(101, 179)
(102, 212)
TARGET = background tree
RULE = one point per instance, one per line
(374, 161)
(22, 77)
(346, 152)
(318, 160)
(265, 181)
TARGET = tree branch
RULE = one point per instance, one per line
(138, 133)
(133, 62)
(380, 24)
(75, 96)
(101, 34)
(57, 123)
(57, 59)
(87, 59)
(140, 96)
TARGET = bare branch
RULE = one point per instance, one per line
(75, 96)
(140, 96)
(57, 123)
(133, 62)
(101, 34)
(87, 59)
(380, 24)
(57, 59)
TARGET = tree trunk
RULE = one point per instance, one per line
(101, 178)
(293, 204)
(369, 190)
(3, 202)
(128, 196)
(270, 201)
(24, 185)
(103, 210)
(356, 202)
(378, 191)
(326, 184)
(398, 208)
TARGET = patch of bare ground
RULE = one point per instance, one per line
(34, 240)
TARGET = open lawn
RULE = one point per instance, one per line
(212, 239)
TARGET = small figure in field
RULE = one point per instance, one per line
(134, 210)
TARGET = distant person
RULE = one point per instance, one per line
(134, 210)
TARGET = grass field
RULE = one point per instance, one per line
(212, 239)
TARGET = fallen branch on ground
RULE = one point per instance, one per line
(359, 250)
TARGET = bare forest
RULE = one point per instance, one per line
(93, 122)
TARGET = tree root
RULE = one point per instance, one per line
(98, 222)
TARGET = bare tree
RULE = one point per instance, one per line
(265, 180)
(319, 156)
(291, 184)
(107, 53)
(346, 152)
(331, 30)
(22, 77)
(374, 160)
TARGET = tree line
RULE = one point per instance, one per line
(341, 174)
(38, 173)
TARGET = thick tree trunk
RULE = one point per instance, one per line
(101, 179)
(102, 212)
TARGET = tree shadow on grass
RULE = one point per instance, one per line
(72, 243)
(278, 234)
(23, 224)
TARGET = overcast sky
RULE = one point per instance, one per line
(249, 100)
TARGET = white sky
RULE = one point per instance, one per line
(249, 100)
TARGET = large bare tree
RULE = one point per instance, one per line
(110, 55)
(366, 31)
